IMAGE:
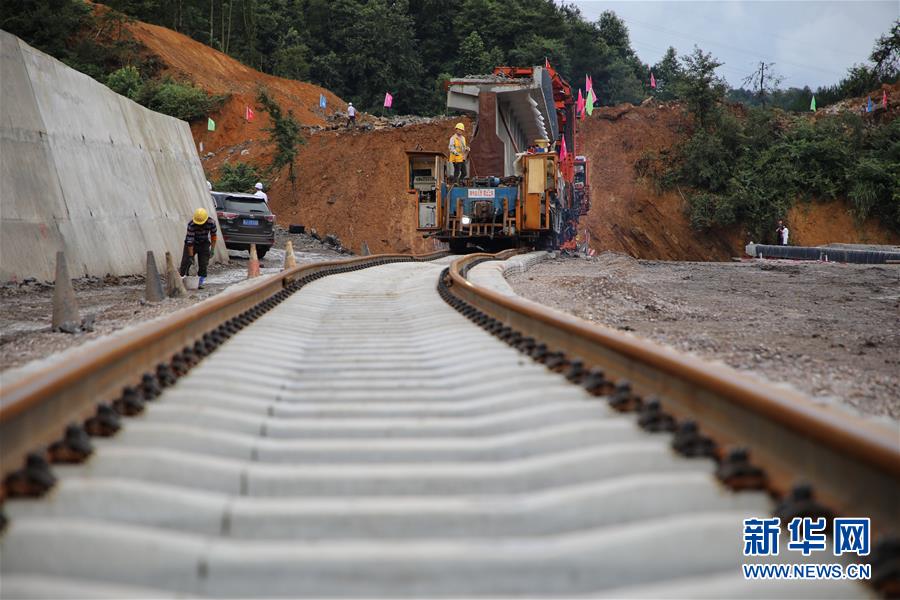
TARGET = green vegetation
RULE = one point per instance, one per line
(284, 133)
(236, 177)
(751, 170)
(360, 49)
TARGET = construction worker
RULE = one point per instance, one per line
(351, 115)
(259, 193)
(200, 241)
(459, 151)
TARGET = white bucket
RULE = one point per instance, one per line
(191, 282)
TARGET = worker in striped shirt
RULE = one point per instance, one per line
(200, 241)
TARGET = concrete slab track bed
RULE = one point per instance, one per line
(362, 438)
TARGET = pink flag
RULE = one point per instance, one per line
(388, 100)
(562, 150)
(884, 98)
(579, 105)
(248, 114)
(652, 81)
(588, 84)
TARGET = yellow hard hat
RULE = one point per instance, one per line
(460, 126)
(200, 216)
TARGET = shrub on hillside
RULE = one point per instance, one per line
(236, 177)
(180, 100)
(126, 81)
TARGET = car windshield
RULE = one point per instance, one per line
(246, 205)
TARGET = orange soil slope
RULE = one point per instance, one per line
(218, 73)
(627, 215)
(353, 184)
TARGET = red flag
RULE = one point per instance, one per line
(248, 114)
(388, 100)
(562, 150)
(652, 81)
(579, 105)
(883, 98)
(546, 62)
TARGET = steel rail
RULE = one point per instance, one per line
(35, 410)
(853, 464)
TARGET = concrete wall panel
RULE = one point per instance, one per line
(87, 171)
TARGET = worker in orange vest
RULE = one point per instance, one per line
(459, 151)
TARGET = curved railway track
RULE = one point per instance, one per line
(343, 429)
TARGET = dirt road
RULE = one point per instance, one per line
(117, 302)
(831, 330)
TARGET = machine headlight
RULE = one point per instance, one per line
(466, 220)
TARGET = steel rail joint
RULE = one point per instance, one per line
(852, 463)
(35, 410)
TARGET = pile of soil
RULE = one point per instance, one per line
(828, 329)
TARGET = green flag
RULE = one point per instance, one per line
(589, 103)
(210, 124)
(812, 104)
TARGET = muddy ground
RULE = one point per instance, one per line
(831, 330)
(116, 302)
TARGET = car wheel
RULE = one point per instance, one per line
(261, 251)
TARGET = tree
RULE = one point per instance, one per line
(473, 59)
(668, 72)
(700, 87)
(886, 54)
(284, 133)
(763, 80)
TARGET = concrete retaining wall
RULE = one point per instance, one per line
(87, 171)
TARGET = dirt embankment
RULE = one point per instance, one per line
(627, 215)
(353, 183)
(220, 74)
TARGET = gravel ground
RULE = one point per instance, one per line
(831, 330)
(116, 302)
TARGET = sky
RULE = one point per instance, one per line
(811, 42)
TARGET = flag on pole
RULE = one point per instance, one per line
(589, 103)
(812, 104)
(322, 101)
(388, 100)
(210, 124)
(579, 105)
(248, 114)
(883, 98)
(562, 150)
(869, 105)
(588, 84)
(652, 81)
(546, 62)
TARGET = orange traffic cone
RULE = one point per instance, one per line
(289, 260)
(253, 265)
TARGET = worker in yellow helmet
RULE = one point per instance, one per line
(200, 241)
(459, 152)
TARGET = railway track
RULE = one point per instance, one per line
(344, 430)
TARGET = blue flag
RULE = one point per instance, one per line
(869, 105)
(322, 101)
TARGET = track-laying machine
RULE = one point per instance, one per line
(522, 187)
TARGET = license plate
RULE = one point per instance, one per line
(251, 222)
